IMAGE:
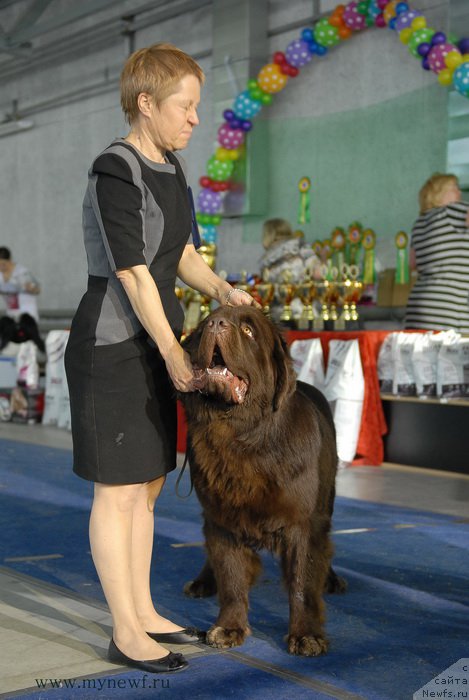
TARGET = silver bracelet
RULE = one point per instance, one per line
(233, 289)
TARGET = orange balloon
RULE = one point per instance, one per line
(345, 32)
(335, 20)
(271, 79)
(390, 11)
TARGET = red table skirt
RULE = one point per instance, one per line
(370, 449)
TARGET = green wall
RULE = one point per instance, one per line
(365, 165)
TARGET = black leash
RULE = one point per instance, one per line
(178, 480)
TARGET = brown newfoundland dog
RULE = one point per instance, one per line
(263, 462)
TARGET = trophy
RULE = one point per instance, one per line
(350, 291)
(307, 292)
(285, 294)
(332, 299)
(265, 291)
(356, 292)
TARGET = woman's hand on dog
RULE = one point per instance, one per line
(179, 366)
(239, 297)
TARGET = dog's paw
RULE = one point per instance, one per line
(224, 638)
(307, 646)
(334, 583)
(200, 588)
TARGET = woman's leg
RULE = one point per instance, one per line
(143, 526)
(111, 526)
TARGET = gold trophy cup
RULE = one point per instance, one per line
(285, 294)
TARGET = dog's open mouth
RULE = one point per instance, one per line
(218, 380)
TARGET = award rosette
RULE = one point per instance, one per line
(355, 234)
(338, 242)
(402, 258)
(369, 245)
(304, 186)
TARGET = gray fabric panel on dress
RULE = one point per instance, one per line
(117, 319)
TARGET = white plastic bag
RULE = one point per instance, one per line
(344, 388)
(55, 408)
(27, 366)
(385, 364)
(450, 372)
(308, 361)
(403, 382)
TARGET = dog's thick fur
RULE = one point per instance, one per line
(263, 461)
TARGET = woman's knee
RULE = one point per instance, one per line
(121, 497)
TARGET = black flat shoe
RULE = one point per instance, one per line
(188, 635)
(170, 663)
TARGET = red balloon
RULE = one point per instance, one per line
(205, 181)
(279, 58)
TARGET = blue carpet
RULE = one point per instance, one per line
(403, 620)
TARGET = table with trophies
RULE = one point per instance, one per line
(329, 311)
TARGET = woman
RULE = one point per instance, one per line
(440, 254)
(123, 358)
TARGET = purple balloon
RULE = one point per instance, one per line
(228, 114)
(423, 49)
(463, 45)
(209, 202)
(246, 125)
(425, 63)
(405, 19)
(235, 123)
(297, 53)
(438, 38)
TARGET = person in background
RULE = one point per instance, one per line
(123, 360)
(286, 254)
(18, 287)
(440, 255)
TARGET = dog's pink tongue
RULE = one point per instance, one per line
(205, 380)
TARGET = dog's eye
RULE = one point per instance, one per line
(247, 329)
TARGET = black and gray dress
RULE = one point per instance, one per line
(439, 299)
(123, 407)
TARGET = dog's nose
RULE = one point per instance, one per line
(218, 325)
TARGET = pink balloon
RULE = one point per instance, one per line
(230, 138)
(436, 56)
(352, 18)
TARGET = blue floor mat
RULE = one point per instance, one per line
(403, 620)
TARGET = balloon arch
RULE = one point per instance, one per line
(447, 57)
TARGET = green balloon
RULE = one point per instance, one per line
(256, 93)
(219, 170)
(362, 8)
(420, 36)
(266, 99)
(325, 34)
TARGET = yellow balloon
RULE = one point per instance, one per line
(445, 76)
(419, 23)
(233, 154)
(271, 79)
(222, 154)
(405, 34)
(465, 58)
(453, 59)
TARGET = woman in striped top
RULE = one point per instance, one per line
(440, 254)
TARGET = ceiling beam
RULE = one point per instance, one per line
(29, 17)
(77, 11)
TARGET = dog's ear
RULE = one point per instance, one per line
(285, 380)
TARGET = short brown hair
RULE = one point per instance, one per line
(155, 70)
(275, 230)
(429, 195)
